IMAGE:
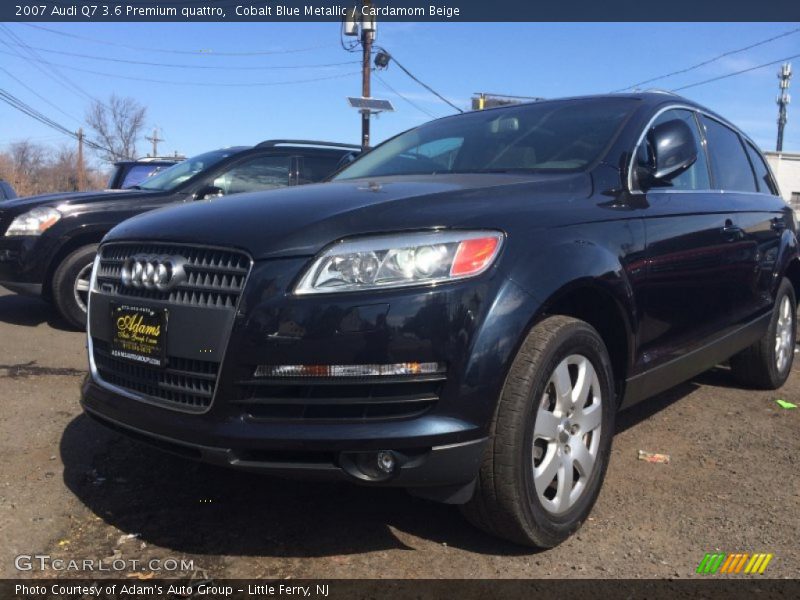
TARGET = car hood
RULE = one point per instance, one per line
(69, 199)
(299, 221)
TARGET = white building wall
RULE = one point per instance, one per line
(786, 167)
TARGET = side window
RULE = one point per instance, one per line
(729, 163)
(763, 177)
(695, 177)
(138, 173)
(317, 168)
(259, 173)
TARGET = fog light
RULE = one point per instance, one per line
(375, 370)
(375, 466)
(386, 461)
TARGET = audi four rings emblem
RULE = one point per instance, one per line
(153, 272)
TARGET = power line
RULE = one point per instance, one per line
(705, 81)
(411, 102)
(38, 95)
(185, 66)
(173, 51)
(190, 83)
(33, 56)
(25, 108)
(423, 84)
(709, 61)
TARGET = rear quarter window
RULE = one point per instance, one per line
(763, 177)
(729, 163)
(317, 168)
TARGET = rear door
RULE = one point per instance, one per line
(690, 235)
(741, 177)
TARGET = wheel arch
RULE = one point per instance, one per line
(792, 273)
(67, 247)
(596, 303)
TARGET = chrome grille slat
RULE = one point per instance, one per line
(215, 278)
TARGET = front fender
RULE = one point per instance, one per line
(604, 258)
(788, 252)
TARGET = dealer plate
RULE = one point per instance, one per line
(139, 334)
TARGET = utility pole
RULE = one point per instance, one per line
(361, 22)
(784, 75)
(367, 38)
(81, 175)
(154, 139)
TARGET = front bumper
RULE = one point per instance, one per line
(301, 451)
(23, 263)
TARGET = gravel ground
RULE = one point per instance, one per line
(73, 490)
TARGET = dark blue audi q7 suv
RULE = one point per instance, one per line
(460, 312)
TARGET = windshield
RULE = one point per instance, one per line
(169, 179)
(564, 135)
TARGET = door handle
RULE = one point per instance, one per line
(731, 232)
(778, 224)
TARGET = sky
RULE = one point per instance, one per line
(197, 109)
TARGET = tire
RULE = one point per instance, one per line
(69, 300)
(767, 363)
(506, 503)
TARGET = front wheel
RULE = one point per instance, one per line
(767, 363)
(71, 285)
(550, 437)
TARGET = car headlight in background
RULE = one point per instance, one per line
(399, 260)
(34, 222)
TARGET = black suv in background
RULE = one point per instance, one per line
(128, 173)
(48, 242)
(461, 311)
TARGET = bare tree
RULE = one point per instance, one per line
(35, 169)
(24, 161)
(61, 172)
(116, 126)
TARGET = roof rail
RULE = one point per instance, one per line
(271, 143)
(145, 159)
(660, 91)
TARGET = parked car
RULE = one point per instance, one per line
(128, 173)
(6, 191)
(460, 312)
(48, 243)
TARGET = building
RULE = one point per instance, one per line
(786, 167)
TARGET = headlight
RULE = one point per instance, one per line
(389, 261)
(34, 222)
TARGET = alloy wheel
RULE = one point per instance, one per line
(81, 286)
(566, 436)
(784, 342)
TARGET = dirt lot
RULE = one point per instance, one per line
(73, 490)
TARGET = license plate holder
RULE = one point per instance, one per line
(139, 334)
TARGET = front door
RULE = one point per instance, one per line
(691, 240)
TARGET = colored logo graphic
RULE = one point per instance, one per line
(748, 564)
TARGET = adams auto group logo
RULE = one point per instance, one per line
(740, 563)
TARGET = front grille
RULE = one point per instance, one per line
(214, 281)
(184, 383)
(331, 399)
(215, 278)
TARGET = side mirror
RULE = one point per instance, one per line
(208, 191)
(347, 159)
(674, 149)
